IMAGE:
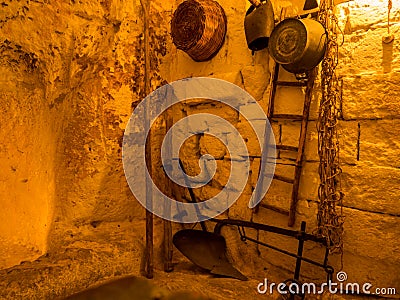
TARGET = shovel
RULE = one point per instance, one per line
(205, 249)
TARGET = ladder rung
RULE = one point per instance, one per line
(287, 117)
(287, 148)
(277, 209)
(283, 178)
(291, 83)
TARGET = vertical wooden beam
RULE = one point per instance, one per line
(149, 195)
(167, 242)
(302, 142)
(270, 113)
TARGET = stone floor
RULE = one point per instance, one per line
(12, 254)
(88, 256)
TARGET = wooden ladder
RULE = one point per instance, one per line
(308, 83)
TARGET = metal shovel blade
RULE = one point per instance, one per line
(206, 250)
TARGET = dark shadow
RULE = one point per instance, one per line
(387, 56)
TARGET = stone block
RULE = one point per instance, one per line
(211, 145)
(311, 147)
(289, 100)
(239, 176)
(252, 111)
(256, 79)
(307, 210)
(363, 14)
(232, 77)
(287, 133)
(379, 142)
(189, 148)
(270, 217)
(381, 228)
(240, 209)
(226, 112)
(309, 182)
(249, 136)
(279, 194)
(375, 189)
(348, 141)
(290, 133)
(237, 146)
(371, 96)
(192, 167)
(368, 269)
(208, 191)
(277, 131)
(221, 205)
(197, 124)
(223, 172)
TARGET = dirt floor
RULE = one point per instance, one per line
(88, 256)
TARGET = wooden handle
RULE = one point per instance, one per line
(255, 3)
(167, 243)
(149, 197)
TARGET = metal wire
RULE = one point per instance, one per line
(330, 217)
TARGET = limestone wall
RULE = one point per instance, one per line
(70, 75)
(370, 70)
(368, 136)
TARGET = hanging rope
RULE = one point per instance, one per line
(389, 37)
(389, 9)
(330, 218)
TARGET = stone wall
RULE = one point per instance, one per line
(368, 137)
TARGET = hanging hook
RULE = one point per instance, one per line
(390, 37)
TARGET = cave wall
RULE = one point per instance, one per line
(27, 157)
(71, 74)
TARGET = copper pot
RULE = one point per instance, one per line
(298, 45)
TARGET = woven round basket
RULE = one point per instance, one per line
(198, 27)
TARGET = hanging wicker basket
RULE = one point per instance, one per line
(198, 27)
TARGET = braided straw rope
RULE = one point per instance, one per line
(198, 27)
(330, 207)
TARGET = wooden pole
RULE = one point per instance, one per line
(167, 243)
(255, 3)
(149, 195)
(302, 141)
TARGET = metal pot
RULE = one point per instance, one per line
(298, 45)
(258, 25)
